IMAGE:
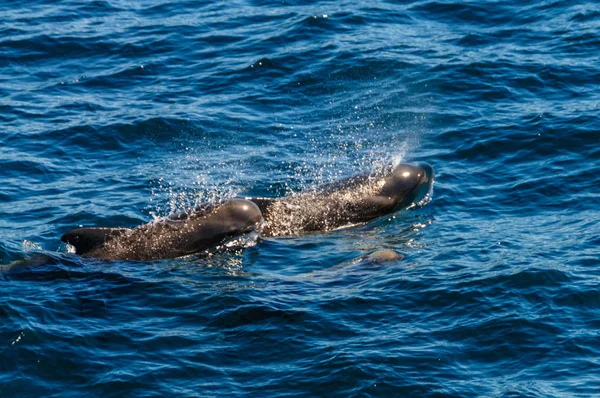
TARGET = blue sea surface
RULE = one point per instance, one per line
(113, 113)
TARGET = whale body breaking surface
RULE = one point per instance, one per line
(350, 201)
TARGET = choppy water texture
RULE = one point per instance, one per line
(115, 112)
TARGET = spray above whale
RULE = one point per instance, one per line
(350, 201)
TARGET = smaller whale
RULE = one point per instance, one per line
(382, 256)
(169, 237)
(358, 267)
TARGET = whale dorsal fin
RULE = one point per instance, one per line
(88, 239)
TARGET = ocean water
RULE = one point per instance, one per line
(115, 112)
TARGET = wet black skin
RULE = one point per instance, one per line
(169, 237)
(353, 200)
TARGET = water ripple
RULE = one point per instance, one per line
(117, 112)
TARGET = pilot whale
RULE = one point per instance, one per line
(170, 237)
(353, 200)
(350, 201)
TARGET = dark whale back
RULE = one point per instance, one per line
(169, 237)
(87, 239)
(353, 200)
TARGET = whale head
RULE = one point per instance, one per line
(408, 184)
